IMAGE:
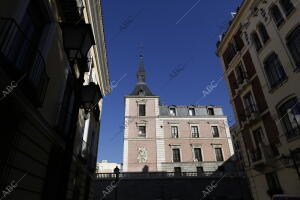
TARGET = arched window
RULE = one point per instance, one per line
(287, 6)
(256, 41)
(276, 15)
(293, 43)
(263, 33)
(290, 117)
(274, 70)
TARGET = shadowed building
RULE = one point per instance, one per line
(53, 75)
(260, 54)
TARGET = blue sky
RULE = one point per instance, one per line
(178, 42)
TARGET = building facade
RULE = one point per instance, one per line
(106, 167)
(172, 138)
(49, 123)
(260, 55)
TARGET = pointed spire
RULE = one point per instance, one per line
(141, 88)
(141, 74)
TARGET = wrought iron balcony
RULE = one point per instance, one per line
(20, 57)
(294, 132)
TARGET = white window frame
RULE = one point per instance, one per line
(175, 111)
(223, 155)
(176, 147)
(192, 132)
(194, 156)
(138, 110)
(191, 108)
(175, 125)
(211, 130)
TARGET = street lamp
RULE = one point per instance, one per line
(77, 39)
(90, 96)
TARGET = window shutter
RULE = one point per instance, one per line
(249, 64)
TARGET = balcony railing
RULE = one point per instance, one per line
(294, 132)
(158, 174)
(21, 57)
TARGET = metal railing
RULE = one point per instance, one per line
(22, 57)
(158, 174)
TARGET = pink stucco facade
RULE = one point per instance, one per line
(155, 148)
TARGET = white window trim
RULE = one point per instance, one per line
(191, 130)
(177, 130)
(176, 147)
(223, 155)
(191, 108)
(194, 157)
(175, 111)
(211, 130)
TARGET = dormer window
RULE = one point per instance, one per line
(192, 111)
(210, 111)
(142, 93)
(172, 111)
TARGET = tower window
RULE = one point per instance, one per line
(142, 130)
(215, 131)
(142, 93)
(142, 110)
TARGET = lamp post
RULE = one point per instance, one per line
(77, 40)
(117, 172)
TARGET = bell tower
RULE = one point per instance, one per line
(141, 110)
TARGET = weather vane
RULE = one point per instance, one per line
(141, 49)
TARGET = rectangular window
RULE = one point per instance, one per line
(210, 111)
(195, 132)
(172, 111)
(198, 154)
(192, 111)
(287, 6)
(219, 154)
(200, 171)
(274, 70)
(142, 130)
(290, 117)
(276, 15)
(174, 131)
(250, 106)
(176, 155)
(215, 131)
(142, 110)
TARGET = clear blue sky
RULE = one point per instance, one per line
(178, 39)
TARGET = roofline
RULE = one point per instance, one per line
(234, 23)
